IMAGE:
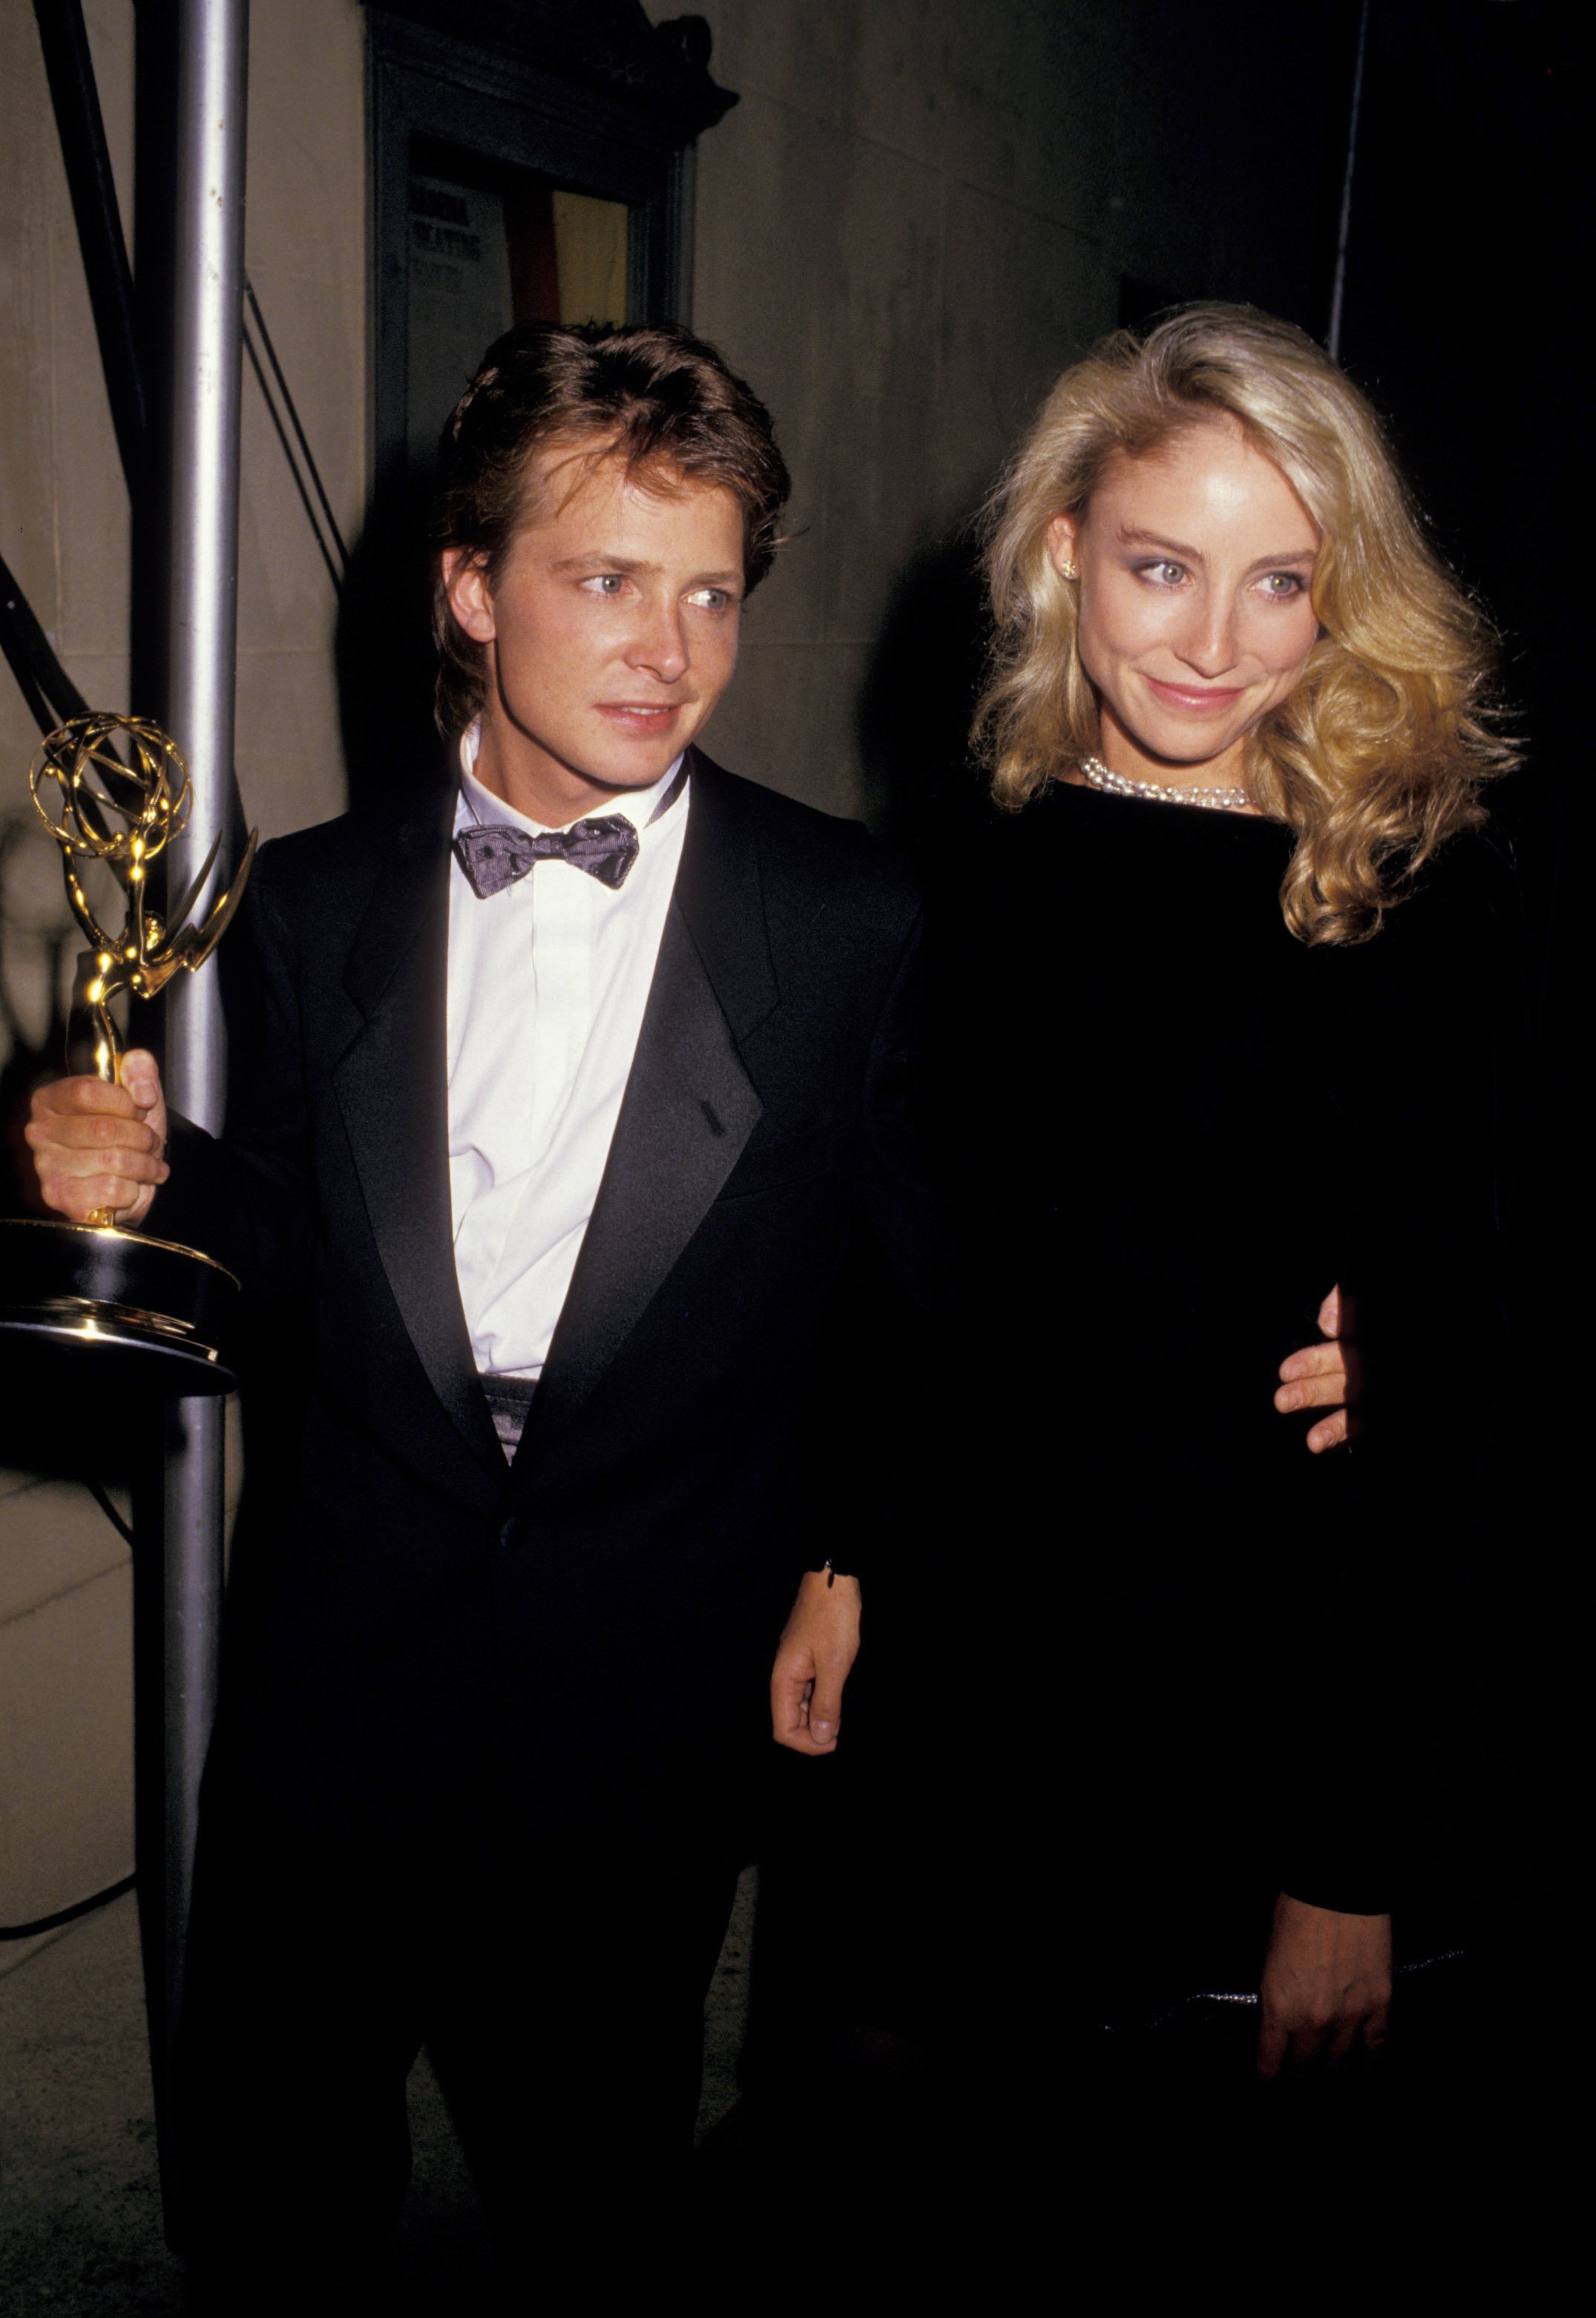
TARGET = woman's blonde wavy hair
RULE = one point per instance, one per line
(1379, 755)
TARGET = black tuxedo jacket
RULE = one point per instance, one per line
(596, 1621)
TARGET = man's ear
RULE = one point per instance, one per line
(470, 600)
(1062, 536)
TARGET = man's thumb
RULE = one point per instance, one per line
(141, 1078)
(825, 1709)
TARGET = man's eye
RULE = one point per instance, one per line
(605, 583)
(712, 599)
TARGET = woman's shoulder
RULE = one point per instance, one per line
(1449, 957)
(1466, 895)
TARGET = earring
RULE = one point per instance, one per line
(1069, 571)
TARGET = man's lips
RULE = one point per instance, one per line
(1193, 697)
(642, 716)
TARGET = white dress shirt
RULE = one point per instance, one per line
(548, 980)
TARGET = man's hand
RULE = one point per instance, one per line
(97, 1146)
(1326, 1990)
(813, 1659)
(1316, 1378)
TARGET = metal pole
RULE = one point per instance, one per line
(206, 389)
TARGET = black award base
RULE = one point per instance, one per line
(93, 1303)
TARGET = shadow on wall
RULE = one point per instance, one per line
(919, 695)
(383, 652)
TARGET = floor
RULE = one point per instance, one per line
(80, 2220)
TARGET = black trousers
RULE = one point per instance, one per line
(560, 1994)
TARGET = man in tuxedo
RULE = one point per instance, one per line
(561, 1099)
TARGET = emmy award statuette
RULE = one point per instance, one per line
(134, 1309)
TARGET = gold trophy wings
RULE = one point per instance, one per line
(115, 790)
(83, 786)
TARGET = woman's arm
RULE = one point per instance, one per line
(1426, 1031)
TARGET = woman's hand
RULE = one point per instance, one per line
(99, 1148)
(813, 1659)
(1326, 1990)
(1316, 1378)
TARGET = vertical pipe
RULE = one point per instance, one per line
(207, 325)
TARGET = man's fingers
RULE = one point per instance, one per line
(806, 1707)
(1313, 1361)
(825, 1706)
(67, 1097)
(792, 1681)
(1312, 1392)
(818, 1646)
(1316, 1378)
(91, 1130)
(140, 1162)
(79, 1197)
(789, 1694)
(93, 1151)
(1330, 1432)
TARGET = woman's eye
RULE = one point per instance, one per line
(1163, 575)
(1284, 584)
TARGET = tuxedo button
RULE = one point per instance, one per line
(509, 1532)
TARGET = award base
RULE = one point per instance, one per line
(128, 1309)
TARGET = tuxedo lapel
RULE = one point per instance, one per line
(689, 1106)
(392, 1090)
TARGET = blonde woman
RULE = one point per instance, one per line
(1223, 985)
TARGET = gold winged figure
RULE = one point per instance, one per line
(115, 789)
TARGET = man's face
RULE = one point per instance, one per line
(611, 634)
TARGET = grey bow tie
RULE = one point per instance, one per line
(494, 857)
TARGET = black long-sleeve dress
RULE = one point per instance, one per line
(1198, 1666)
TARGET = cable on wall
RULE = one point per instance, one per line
(319, 511)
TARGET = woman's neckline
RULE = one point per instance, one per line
(1149, 812)
(1077, 780)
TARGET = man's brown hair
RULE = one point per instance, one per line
(657, 397)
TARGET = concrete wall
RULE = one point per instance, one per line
(306, 251)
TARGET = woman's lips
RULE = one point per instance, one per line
(1199, 699)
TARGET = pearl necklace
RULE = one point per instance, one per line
(1217, 800)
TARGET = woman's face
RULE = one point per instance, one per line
(1195, 566)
